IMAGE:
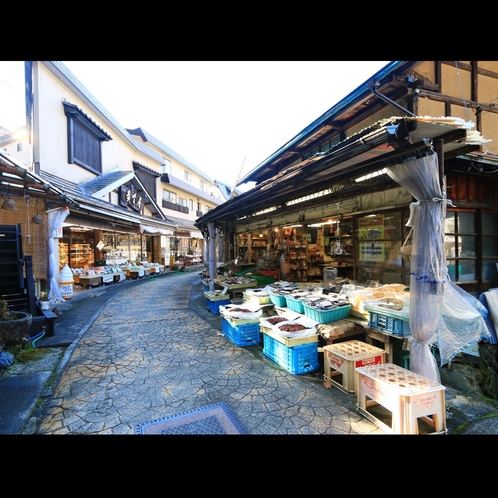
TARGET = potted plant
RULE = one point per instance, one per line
(14, 325)
(44, 300)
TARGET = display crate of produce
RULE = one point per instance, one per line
(254, 297)
(246, 334)
(289, 342)
(296, 359)
(278, 299)
(294, 303)
(389, 321)
(214, 306)
(215, 300)
(341, 360)
(326, 316)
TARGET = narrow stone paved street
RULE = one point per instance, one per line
(150, 354)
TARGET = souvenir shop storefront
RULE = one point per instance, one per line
(86, 243)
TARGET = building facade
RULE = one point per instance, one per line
(325, 199)
(112, 183)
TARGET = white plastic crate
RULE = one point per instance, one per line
(341, 360)
(406, 395)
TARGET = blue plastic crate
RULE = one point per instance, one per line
(326, 316)
(246, 334)
(214, 306)
(206, 288)
(395, 326)
(296, 359)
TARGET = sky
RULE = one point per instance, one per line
(225, 117)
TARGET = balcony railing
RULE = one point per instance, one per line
(175, 207)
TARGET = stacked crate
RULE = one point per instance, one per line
(341, 360)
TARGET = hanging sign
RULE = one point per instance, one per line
(128, 197)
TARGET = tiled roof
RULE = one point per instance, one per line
(101, 185)
(147, 137)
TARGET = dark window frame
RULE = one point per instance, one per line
(457, 262)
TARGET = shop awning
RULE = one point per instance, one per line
(155, 230)
(327, 178)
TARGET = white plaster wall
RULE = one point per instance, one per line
(52, 127)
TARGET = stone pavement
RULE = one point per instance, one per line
(155, 350)
(142, 350)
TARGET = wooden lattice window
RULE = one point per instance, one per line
(84, 138)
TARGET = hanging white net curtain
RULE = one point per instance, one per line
(435, 306)
(55, 220)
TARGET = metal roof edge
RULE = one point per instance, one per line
(360, 92)
(168, 150)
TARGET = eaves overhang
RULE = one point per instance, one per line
(16, 180)
(325, 123)
(91, 206)
(147, 137)
(371, 149)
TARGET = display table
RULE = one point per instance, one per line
(235, 290)
(107, 278)
(341, 329)
(385, 338)
(119, 277)
(406, 395)
(240, 267)
(90, 280)
(134, 273)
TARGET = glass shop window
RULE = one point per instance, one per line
(460, 245)
(489, 224)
